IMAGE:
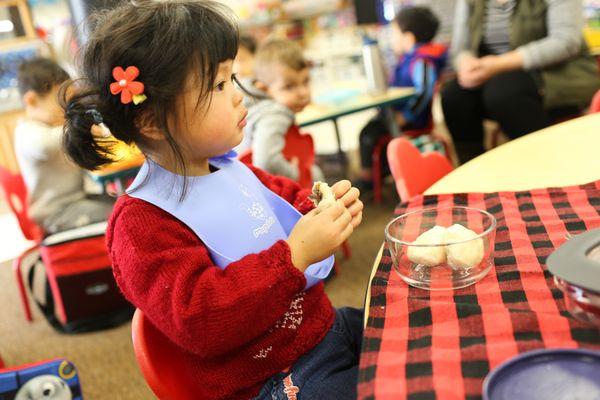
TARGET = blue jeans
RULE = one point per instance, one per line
(329, 371)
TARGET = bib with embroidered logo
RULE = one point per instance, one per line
(230, 210)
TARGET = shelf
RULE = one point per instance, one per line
(300, 9)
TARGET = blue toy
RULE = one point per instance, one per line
(47, 380)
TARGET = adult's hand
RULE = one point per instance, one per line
(478, 71)
(468, 67)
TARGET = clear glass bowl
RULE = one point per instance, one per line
(441, 271)
(582, 303)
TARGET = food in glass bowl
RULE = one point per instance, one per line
(442, 248)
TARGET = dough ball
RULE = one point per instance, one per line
(463, 255)
(429, 256)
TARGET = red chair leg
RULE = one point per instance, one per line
(21, 286)
(377, 173)
(346, 250)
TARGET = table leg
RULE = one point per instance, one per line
(393, 126)
(341, 154)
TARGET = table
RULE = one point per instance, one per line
(331, 111)
(540, 159)
(561, 155)
(128, 160)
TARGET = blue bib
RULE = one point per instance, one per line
(230, 210)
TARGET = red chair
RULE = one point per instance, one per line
(595, 106)
(379, 150)
(15, 193)
(414, 172)
(299, 146)
(160, 362)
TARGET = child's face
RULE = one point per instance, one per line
(402, 42)
(44, 108)
(243, 65)
(215, 127)
(290, 88)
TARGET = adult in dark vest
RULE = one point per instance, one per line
(518, 62)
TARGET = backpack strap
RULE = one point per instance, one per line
(47, 308)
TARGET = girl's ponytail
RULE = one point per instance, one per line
(82, 108)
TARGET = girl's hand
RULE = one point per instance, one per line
(349, 195)
(317, 236)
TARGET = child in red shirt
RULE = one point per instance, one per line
(253, 320)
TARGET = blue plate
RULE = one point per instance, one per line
(550, 374)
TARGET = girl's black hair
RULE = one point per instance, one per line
(165, 40)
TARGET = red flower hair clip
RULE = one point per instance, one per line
(125, 84)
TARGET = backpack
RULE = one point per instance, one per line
(81, 294)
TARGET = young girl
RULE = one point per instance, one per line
(211, 251)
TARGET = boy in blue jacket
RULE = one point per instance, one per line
(419, 66)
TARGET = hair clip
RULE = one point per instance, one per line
(130, 89)
(97, 117)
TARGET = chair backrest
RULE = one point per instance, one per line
(297, 145)
(245, 156)
(414, 172)
(160, 361)
(15, 193)
(595, 106)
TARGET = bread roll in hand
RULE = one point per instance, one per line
(323, 196)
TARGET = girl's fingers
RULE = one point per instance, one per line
(346, 233)
(356, 220)
(350, 196)
(344, 219)
(311, 213)
(355, 207)
(334, 212)
(340, 188)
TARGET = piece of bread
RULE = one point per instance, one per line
(323, 196)
(429, 256)
(463, 255)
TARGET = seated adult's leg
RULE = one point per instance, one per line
(514, 101)
(463, 113)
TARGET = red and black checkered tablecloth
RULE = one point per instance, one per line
(441, 344)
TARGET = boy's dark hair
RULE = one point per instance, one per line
(248, 42)
(166, 41)
(40, 75)
(420, 21)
